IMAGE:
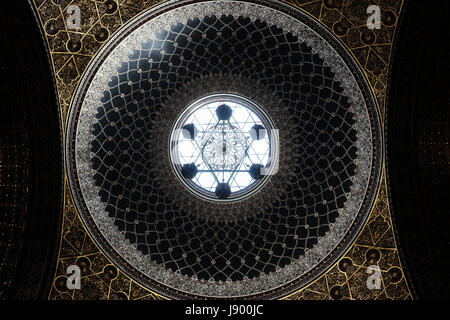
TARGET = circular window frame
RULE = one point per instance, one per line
(245, 102)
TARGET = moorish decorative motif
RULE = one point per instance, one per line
(343, 274)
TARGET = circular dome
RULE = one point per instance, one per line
(216, 141)
(223, 149)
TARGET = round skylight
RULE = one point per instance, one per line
(223, 146)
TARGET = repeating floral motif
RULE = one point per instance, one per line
(72, 50)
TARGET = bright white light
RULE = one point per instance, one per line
(222, 151)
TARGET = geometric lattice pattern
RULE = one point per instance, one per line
(321, 178)
(71, 51)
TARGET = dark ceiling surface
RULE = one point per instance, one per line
(30, 158)
(418, 154)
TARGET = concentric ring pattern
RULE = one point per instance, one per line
(179, 244)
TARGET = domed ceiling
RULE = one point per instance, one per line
(224, 149)
(263, 244)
